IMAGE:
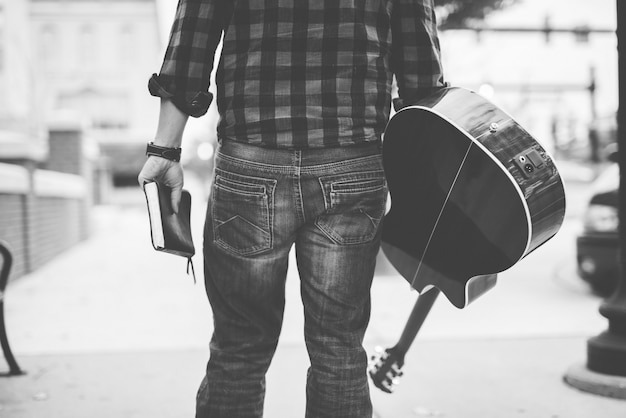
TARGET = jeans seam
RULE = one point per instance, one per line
(327, 168)
(339, 166)
(268, 168)
(297, 161)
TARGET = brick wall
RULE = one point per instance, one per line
(55, 227)
(42, 214)
(12, 230)
(15, 187)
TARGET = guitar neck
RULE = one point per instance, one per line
(419, 313)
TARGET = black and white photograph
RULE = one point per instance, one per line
(312, 209)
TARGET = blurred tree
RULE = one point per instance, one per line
(462, 13)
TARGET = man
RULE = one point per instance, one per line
(303, 93)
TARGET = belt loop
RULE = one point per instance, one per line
(297, 161)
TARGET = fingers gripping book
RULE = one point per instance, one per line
(170, 232)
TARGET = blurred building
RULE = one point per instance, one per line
(74, 112)
(93, 58)
(20, 116)
(89, 60)
(551, 64)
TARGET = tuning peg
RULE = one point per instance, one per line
(395, 369)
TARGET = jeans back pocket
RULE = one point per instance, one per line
(355, 204)
(242, 212)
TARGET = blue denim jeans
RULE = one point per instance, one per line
(329, 203)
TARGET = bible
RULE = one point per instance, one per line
(170, 232)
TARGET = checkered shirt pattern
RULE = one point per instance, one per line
(301, 73)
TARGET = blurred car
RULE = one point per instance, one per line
(597, 247)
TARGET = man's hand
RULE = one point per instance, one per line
(165, 172)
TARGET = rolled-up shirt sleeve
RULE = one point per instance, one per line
(185, 74)
(416, 53)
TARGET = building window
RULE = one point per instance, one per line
(47, 44)
(86, 45)
(1, 51)
(126, 43)
(111, 111)
(2, 38)
(105, 110)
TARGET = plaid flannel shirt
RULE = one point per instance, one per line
(300, 73)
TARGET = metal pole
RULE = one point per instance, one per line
(594, 141)
(606, 353)
(605, 371)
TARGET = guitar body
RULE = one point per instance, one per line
(472, 193)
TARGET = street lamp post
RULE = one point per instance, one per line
(605, 371)
(606, 353)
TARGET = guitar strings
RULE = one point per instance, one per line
(443, 206)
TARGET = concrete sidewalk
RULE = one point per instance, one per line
(112, 328)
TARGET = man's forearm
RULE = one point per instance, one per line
(171, 125)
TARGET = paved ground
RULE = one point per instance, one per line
(111, 328)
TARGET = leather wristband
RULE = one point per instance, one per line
(172, 154)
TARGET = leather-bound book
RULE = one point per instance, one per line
(170, 232)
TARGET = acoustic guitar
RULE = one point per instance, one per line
(386, 366)
(472, 193)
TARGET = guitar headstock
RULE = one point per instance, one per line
(385, 368)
